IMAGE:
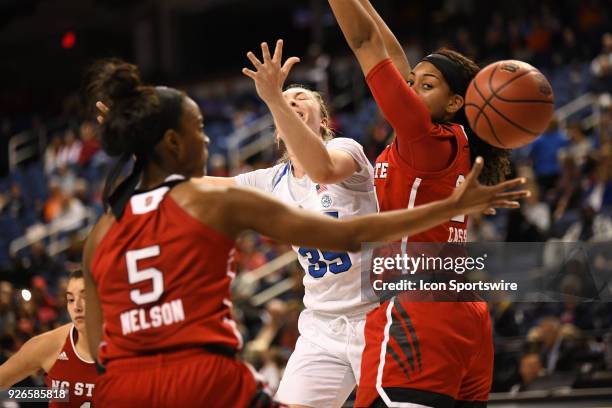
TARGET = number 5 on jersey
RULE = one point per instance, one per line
(136, 276)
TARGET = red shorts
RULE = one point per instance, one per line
(434, 354)
(186, 378)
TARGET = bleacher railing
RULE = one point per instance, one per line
(22, 147)
(237, 152)
(54, 235)
(588, 100)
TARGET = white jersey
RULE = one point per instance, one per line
(332, 280)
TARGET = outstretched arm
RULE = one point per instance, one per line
(401, 106)
(393, 46)
(322, 165)
(94, 317)
(361, 33)
(38, 353)
(251, 210)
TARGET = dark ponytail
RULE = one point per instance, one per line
(139, 116)
(497, 161)
(118, 85)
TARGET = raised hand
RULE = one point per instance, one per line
(269, 76)
(472, 197)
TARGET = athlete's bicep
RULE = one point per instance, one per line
(343, 166)
(94, 316)
(369, 55)
(215, 181)
(400, 105)
(250, 209)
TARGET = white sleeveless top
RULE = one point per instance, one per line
(332, 280)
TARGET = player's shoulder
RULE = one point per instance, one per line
(343, 142)
(46, 343)
(270, 173)
(193, 194)
(198, 198)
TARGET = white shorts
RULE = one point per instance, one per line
(324, 367)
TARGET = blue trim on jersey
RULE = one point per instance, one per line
(278, 180)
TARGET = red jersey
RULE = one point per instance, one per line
(163, 281)
(404, 176)
(73, 373)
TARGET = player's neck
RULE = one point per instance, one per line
(82, 346)
(298, 170)
(154, 176)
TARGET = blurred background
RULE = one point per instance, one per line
(52, 167)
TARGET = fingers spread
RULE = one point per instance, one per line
(506, 204)
(265, 51)
(256, 63)
(288, 65)
(513, 195)
(507, 185)
(249, 73)
(278, 52)
(476, 170)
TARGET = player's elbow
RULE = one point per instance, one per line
(368, 40)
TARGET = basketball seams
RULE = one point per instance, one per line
(486, 101)
(524, 100)
(494, 95)
(504, 85)
(493, 132)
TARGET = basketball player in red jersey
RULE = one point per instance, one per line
(422, 353)
(63, 354)
(155, 265)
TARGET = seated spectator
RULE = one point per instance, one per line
(7, 307)
(580, 146)
(275, 319)
(591, 227)
(599, 191)
(530, 369)
(90, 144)
(482, 229)
(72, 214)
(544, 155)
(51, 153)
(16, 206)
(248, 256)
(273, 364)
(561, 343)
(567, 194)
(65, 177)
(70, 151)
(536, 212)
(53, 205)
(601, 67)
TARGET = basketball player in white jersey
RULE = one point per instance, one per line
(332, 176)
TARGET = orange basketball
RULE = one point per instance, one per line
(509, 104)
